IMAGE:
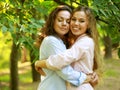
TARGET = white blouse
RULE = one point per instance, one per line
(80, 56)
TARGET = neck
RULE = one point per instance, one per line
(76, 37)
(61, 37)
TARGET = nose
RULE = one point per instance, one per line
(76, 22)
(64, 22)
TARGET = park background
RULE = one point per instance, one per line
(20, 22)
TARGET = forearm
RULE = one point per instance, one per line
(41, 63)
(74, 77)
(69, 56)
(67, 73)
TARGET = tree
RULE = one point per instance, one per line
(108, 12)
(16, 19)
(22, 18)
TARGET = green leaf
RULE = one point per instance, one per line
(102, 11)
(4, 29)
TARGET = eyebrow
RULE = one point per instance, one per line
(79, 18)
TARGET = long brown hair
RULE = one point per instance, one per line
(48, 28)
(93, 33)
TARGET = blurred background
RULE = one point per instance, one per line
(20, 22)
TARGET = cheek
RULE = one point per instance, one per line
(71, 24)
(56, 25)
(86, 26)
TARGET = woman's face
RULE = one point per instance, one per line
(61, 25)
(79, 23)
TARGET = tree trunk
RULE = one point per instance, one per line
(14, 67)
(108, 47)
(35, 74)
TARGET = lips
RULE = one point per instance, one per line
(75, 28)
(63, 29)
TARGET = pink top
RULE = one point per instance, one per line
(80, 56)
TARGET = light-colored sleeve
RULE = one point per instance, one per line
(72, 76)
(53, 46)
(76, 52)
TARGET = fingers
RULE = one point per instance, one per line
(39, 69)
(94, 80)
(94, 75)
(41, 72)
(36, 63)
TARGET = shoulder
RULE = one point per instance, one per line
(50, 39)
(85, 42)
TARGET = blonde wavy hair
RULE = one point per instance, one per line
(93, 33)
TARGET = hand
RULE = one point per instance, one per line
(89, 78)
(94, 80)
(39, 69)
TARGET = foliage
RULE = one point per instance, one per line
(23, 18)
(108, 14)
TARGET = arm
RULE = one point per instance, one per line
(68, 74)
(40, 64)
(76, 52)
(91, 78)
(72, 76)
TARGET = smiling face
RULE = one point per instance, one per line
(79, 23)
(61, 24)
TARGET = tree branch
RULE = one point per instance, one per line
(97, 18)
(62, 3)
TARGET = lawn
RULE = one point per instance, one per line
(111, 76)
(110, 81)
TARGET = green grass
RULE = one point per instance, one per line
(4, 64)
(112, 68)
(26, 77)
(111, 76)
(5, 78)
(110, 79)
(112, 73)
